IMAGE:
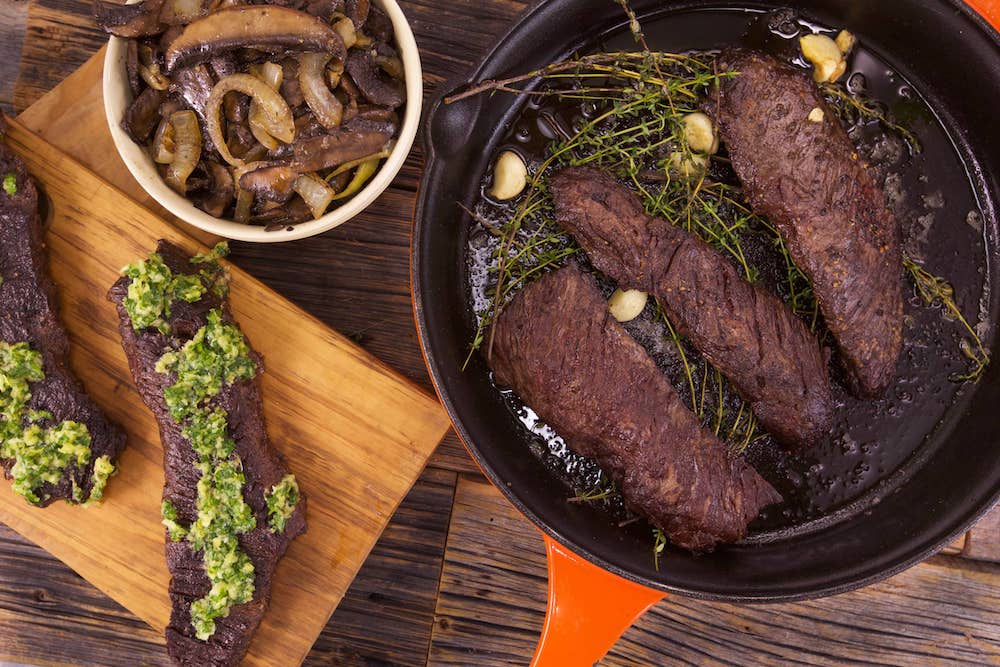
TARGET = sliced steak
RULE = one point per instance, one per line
(558, 347)
(809, 181)
(743, 330)
(28, 314)
(263, 467)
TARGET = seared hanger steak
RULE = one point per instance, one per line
(746, 332)
(55, 442)
(808, 179)
(230, 505)
(558, 347)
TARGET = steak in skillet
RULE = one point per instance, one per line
(809, 181)
(55, 413)
(223, 478)
(746, 332)
(558, 347)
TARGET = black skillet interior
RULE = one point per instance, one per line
(952, 58)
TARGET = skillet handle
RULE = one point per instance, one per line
(988, 9)
(589, 609)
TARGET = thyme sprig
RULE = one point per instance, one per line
(852, 107)
(936, 291)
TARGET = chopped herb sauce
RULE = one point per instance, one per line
(217, 355)
(281, 502)
(41, 454)
(103, 469)
(154, 287)
(176, 531)
(10, 184)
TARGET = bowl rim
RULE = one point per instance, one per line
(116, 96)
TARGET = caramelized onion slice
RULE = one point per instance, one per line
(327, 108)
(163, 142)
(315, 192)
(266, 27)
(272, 74)
(187, 149)
(275, 114)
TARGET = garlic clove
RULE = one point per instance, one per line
(688, 166)
(510, 175)
(825, 56)
(816, 115)
(845, 41)
(625, 305)
(700, 133)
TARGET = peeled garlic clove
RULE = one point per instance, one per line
(688, 166)
(839, 71)
(816, 115)
(845, 42)
(825, 56)
(700, 133)
(627, 305)
(510, 175)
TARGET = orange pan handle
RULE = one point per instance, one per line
(589, 609)
(988, 9)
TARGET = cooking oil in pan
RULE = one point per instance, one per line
(871, 442)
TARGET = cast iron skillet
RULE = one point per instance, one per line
(952, 56)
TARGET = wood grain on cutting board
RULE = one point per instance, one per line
(355, 433)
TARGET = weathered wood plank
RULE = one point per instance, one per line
(62, 619)
(386, 616)
(983, 541)
(492, 600)
(13, 19)
(60, 36)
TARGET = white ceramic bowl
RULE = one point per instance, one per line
(118, 96)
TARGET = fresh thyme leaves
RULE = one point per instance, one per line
(936, 291)
(717, 404)
(853, 108)
(601, 491)
(659, 544)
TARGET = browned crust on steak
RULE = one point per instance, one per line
(810, 182)
(556, 345)
(263, 466)
(746, 332)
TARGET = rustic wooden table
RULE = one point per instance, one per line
(458, 578)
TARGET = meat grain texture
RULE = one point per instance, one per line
(558, 347)
(807, 178)
(263, 466)
(746, 332)
(29, 313)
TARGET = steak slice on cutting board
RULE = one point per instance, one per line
(262, 466)
(558, 347)
(810, 182)
(29, 314)
(746, 332)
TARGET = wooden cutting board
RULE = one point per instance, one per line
(355, 433)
